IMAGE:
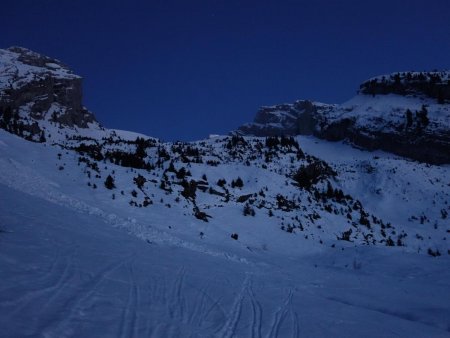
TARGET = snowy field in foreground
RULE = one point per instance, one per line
(66, 273)
(74, 264)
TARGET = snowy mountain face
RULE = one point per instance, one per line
(112, 233)
(36, 90)
(404, 113)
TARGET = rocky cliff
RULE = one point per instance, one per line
(299, 118)
(36, 90)
(404, 113)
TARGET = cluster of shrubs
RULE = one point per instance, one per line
(235, 141)
(94, 151)
(308, 175)
(238, 183)
(283, 141)
(248, 210)
(11, 122)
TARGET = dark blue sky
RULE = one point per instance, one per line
(180, 70)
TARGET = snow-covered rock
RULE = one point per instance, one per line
(36, 90)
(405, 113)
(298, 118)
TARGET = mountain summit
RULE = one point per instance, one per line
(36, 90)
(404, 113)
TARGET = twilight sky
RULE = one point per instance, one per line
(180, 70)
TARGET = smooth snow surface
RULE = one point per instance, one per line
(70, 274)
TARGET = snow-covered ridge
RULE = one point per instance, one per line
(404, 113)
(20, 66)
(430, 84)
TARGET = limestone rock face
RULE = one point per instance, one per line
(299, 118)
(404, 113)
(35, 88)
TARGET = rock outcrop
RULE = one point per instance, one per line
(299, 118)
(404, 113)
(34, 89)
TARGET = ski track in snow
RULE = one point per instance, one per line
(129, 320)
(256, 311)
(75, 305)
(177, 304)
(198, 309)
(234, 315)
(47, 286)
(280, 316)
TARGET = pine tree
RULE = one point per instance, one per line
(409, 118)
(441, 97)
(239, 183)
(423, 115)
(109, 183)
(42, 137)
(139, 180)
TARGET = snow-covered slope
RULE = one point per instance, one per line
(112, 233)
(283, 193)
(69, 269)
